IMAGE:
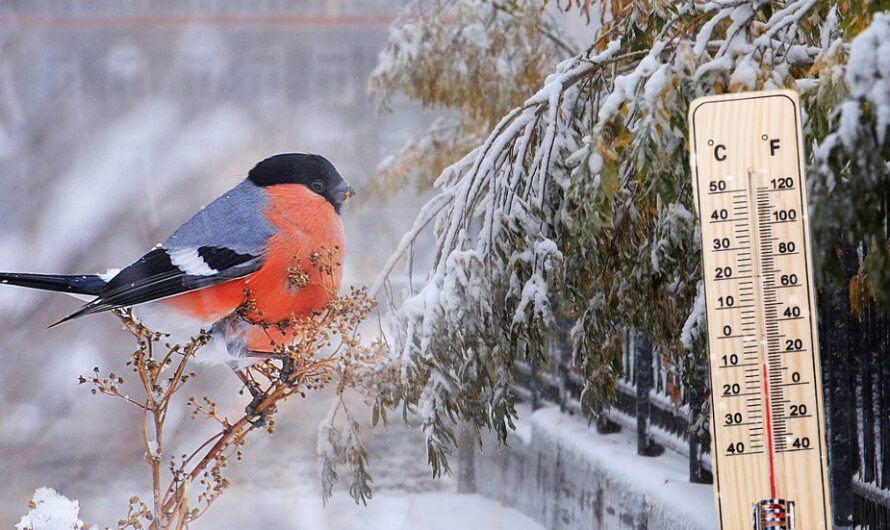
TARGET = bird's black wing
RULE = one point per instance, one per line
(156, 276)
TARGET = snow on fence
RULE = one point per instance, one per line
(642, 403)
(855, 351)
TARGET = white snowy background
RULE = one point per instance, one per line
(111, 135)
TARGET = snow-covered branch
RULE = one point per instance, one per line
(578, 204)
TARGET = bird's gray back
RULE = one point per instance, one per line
(235, 220)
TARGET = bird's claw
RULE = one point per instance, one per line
(285, 375)
(254, 416)
(258, 421)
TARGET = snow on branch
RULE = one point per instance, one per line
(575, 212)
(849, 189)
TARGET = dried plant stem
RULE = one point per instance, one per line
(313, 349)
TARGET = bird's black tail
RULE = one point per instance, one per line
(88, 284)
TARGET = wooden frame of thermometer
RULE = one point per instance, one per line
(767, 420)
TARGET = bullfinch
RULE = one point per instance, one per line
(246, 241)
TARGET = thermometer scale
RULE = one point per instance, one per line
(767, 421)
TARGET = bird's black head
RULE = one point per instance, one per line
(313, 171)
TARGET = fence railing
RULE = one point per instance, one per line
(856, 376)
(642, 403)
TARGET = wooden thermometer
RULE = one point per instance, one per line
(767, 421)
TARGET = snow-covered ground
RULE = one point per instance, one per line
(276, 487)
(276, 510)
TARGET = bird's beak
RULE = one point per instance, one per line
(347, 191)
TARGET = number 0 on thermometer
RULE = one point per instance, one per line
(767, 424)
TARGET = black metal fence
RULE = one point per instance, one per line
(856, 374)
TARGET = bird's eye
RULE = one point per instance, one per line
(317, 186)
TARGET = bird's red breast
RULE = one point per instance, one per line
(305, 224)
